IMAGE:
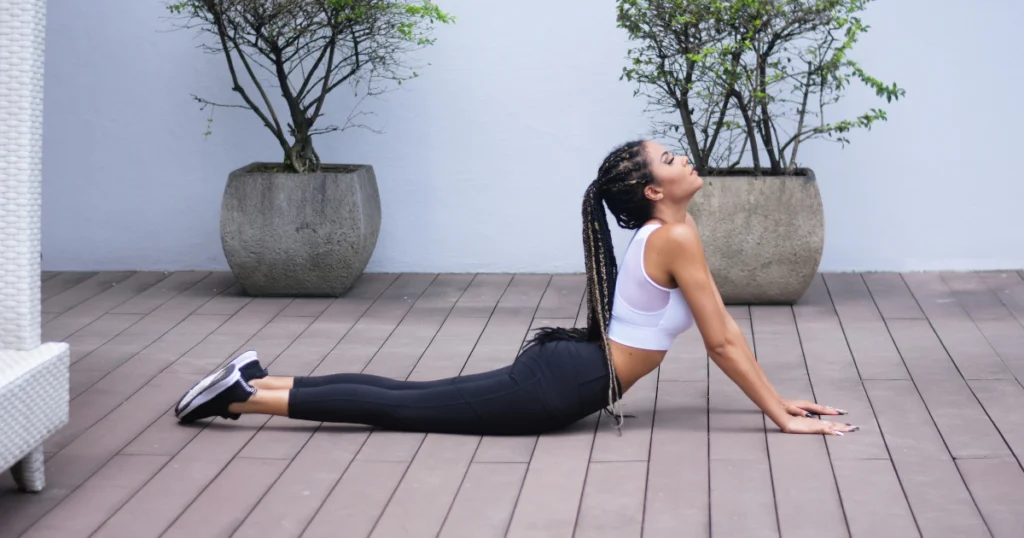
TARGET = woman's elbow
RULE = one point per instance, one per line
(724, 348)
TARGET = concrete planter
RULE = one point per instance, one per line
(763, 235)
(287, 234)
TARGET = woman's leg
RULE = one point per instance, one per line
(496, 403)
(287, 383)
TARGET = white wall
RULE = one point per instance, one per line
(486, 156)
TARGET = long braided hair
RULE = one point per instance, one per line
(620, 184)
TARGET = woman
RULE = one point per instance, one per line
(563, 375)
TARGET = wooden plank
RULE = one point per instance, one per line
(98, 333)
(974, 296)
(423, 497)
(873, 500)
(549, 501)
(283, 438)
(686, 359)
(986, 300)
(269, 515)
(509, 324)
(224, 504)
(482, 295)
(1003, 400)
(308, 306)
(410, 509)
(66, 300)
(229, 339)
(296, 497)
(613, 500)
(892, 296)
(87, 453)
(820, 336)
(231, 299)
(618, 467)
(965, 427)
(88, 311)
(486, 485)
(833, 370)
(63, 282)
(677, 499)
(165, 290)
(113, 389)
(158, 505)
(89, 506)
(802, 476)
(634, 443)
(562, 297)
(352, 509)
(937, 495)
(369, 333)
(970, 351)
(332, 327)
(801, 470)
(167, 437)
(497, 347)
(742, 500)
(398, 356)
(736, 425)
(872, 347)
(446, 357)
(439, 464)
(72, 466)
(774, 330)
(153, 326)
(268, 338)
(1009, 287)
(998, 487)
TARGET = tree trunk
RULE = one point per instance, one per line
(301, 155)
(751, 134)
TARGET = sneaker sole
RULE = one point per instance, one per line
(225, 378)
(237, 362)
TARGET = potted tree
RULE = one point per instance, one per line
(298, 226)
(740, 86)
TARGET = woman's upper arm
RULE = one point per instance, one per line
(684, 256)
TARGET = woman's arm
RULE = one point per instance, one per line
(797, 408)
(683, 255)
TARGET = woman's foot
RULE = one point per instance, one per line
(218, 392)
(248, 366)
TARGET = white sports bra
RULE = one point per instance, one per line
(645, 315)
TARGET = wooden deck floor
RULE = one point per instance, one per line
(929, 365)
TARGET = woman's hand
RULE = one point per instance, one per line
(806, 408)
(813, 425)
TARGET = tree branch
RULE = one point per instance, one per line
(222, 31)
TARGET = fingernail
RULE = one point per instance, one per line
(808, 415)
(839, 434)
(854, 428)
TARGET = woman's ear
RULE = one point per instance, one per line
(653, 193)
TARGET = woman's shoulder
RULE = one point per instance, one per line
(678, 234)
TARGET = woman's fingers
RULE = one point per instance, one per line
(838, 428)
(802, 407)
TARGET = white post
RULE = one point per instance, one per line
(22, 41)
(33, 377)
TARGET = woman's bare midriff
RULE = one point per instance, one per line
(632, 363)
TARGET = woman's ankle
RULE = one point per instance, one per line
(273, 383)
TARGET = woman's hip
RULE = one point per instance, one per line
(573, 376)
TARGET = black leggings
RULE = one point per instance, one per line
(547, 387)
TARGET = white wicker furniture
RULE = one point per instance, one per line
(33, 377)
